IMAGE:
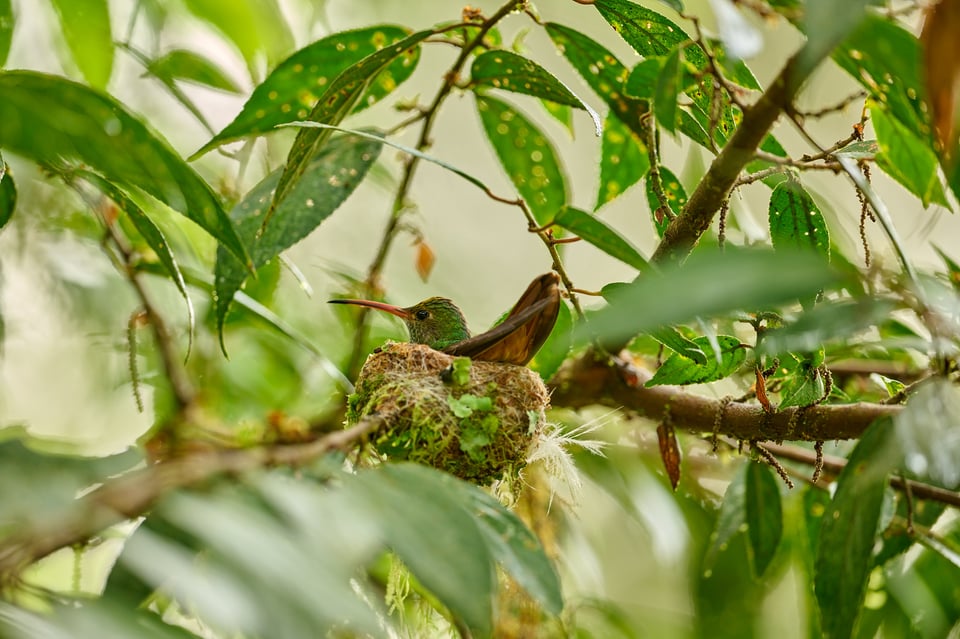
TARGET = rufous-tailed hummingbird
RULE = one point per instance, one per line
(438, 323)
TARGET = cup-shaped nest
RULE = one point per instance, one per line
(475, 420)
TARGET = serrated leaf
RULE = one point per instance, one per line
(667, 90)
(86, 29)
(187, 66)
(675, 341)
(555, 349)
(849, 529)
(292, 90)
(680, 370)
(339, 100)
(256, 27)
(329, 179)
(649, 33)
(7, 24)
(885, 58)
(152, 235)
(526, 155)
(8, 195)
(764, 515)
(906, 158)
(675, 195)
(511, 72)
(796, 222)
(745, 278)
(804, 387)
(623, 160)
(50, 119)
(594, 231)
(602, 71)
(409, 500)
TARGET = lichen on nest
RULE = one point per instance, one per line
(476, 420)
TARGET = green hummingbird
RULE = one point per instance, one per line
(439, 323)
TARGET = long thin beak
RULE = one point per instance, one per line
(380, 306)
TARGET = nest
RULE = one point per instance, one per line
(475, 420)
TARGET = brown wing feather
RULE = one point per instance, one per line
(521, 334)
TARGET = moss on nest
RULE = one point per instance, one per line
(475, 420)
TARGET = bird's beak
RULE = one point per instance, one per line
(380, 306)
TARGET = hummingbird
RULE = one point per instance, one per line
(439, 323)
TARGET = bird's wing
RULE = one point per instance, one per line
(521, 334)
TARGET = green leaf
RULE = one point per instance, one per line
(188, 66)
(849, 529)
(151, 234)
(86, 29)
(453, 561)
(711, 283)
(678, 343)
(862, 150)
(732, 517)
(526, 155)
(796, 222)
(49, 119)
(648, 32)
(764, 515)
(886, 59)
(906, 158)
(642, 81)
(291, 90)
(592, 230)
(561, 113)
(256, 27)
(339, 100)
(603, 72)
(926, 431)
(554, 351)
(806, 385)
(735, 70)
(675, 194)
(623, 160)
(511, 72)
(667, 91)
(7, 24)
(953, 268)
(8, 194)
(330, 178)
(826, 23)
(828, 320)
(679, 370)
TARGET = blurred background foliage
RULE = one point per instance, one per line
(142, 152)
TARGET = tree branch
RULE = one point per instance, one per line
(133, 494)
(589, 380)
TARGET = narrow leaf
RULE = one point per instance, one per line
(675, 341)
(667, 90)
(710, 283)
(152, 235)
(188, 66)
(49, 119)
(526, 155)
(602, 71)
(339, 100)
(292, 90)
(674, 193)
(764, 515)
(731, 519)
(330, 178)
(256, 27)
(594, 231)
(561, 113)
(826, 24)
(86, 29)
(679, 370)
(8, 195)
(795, 220)
(623, 160)
(649, 33)
(906, 158)
(511, 72)
(669, 452)
(7, 24)
(849, 530)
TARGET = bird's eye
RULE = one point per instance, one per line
(422, 315)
